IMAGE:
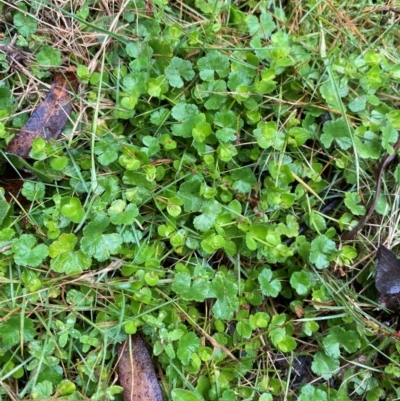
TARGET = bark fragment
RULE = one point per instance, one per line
(49, 119)
(136, 372)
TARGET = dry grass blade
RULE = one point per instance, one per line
(136, 372)
(49, 119)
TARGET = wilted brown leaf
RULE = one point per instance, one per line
(49, 119)
(136, 372)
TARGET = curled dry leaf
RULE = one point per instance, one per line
(136, 372)
(49, 119)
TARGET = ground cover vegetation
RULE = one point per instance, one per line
(187, 198)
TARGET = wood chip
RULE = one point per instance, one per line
(49, 119)
(136, 372)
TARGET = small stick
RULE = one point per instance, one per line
(385, 162)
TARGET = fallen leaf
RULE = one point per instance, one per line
(49, 119)
(136, 372)
(387, 280)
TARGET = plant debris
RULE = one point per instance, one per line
(387, 159)
(49, 119)
(218, 150)
(136, 372)
(387, 280)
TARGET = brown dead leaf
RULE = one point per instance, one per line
(136, 372)
(387, 279)
(49, 119)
